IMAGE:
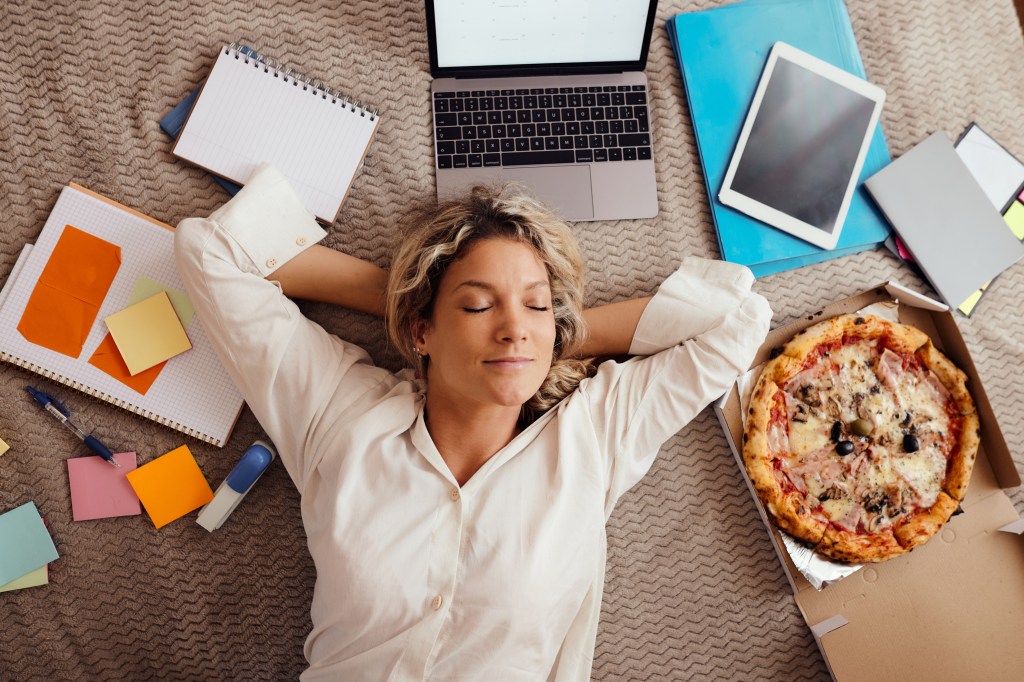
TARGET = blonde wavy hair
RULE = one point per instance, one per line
(440, 234)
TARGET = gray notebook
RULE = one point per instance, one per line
(940, 211)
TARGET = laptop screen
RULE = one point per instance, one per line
(538, 37)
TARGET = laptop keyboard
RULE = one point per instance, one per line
(535, 126)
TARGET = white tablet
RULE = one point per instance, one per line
(802, 146)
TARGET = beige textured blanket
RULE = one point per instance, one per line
(693, 589)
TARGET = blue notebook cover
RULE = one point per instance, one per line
(721, 54)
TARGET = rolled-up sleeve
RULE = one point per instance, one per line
(287, 368)
(699, 331)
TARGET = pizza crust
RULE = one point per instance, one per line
(856, 548)
(961, 462)
(949, 375)
(919, 528)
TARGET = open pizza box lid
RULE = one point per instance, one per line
(950, 609)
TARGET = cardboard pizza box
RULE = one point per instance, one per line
(950, 609)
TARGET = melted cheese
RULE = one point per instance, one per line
(861, 383)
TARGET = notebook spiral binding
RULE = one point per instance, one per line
(100, 395)
(314, 86)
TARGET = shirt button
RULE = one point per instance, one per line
(454, 494)
(301, 241)
(436, 602)
(271, 262)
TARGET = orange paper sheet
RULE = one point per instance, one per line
(170, 486)
(108, 359)
(68, 295)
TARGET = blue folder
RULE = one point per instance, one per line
(721, 54)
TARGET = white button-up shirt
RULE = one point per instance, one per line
(418, 578)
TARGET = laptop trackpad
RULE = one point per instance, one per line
(564, 189)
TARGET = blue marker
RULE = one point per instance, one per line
(239, 482)
(63, 415)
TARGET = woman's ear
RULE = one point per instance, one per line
(419, 328)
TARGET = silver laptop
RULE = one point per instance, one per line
(548, 94)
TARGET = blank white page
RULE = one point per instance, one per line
(250, 112)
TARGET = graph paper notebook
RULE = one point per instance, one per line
(252, 109)
(192, 393)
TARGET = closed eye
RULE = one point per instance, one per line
(476, 310)
(538, 307)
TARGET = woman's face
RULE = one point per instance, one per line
(493, 331)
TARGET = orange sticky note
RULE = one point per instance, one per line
(66, 299)
(170, 486)
(108, 359)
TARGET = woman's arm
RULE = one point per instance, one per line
(610, 328)
(322, 274)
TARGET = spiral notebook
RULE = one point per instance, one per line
(193, 393)
(253, 109)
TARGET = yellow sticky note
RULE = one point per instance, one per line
(170, 486)
(1014, 217)
(4, 447)
(148, 333)
(40, 576)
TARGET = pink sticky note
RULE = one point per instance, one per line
(100, 491)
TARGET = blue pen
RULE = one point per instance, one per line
(62, 414)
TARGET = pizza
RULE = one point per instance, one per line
(860, 438)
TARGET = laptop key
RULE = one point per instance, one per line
(536, 91)
(479, 118)
(643, 153)
(641, 88)
(584, 156)
(508, 116)
(493, 117)
(492, 146)
(498, 130)
(459, 161)
(568, 114)
(508, 92)
(572, 128)
(559, 101)
(587, 127)
(550, 143)
(616, 127)
(529, 130)
(522, 91)
(462, 93)
(554, 114)
(594, 140)
(643, 126)
(589, 100)
(471, 104)
(523, 116)
(468, 132)
(475, 161)
(640, 139)
(440, 105)
(580, 142)
(538, 116)
(544, 101)
(565, 142)
(574, 101)
(483, 132)
(515, 102)
(618, 99)
(465, 118)
(441, 120)
(477, 93)
(448, 133)
(601, 127)
(444, 161)
(550, 91)
(515, 130)
(456, 105)
(615, 154)
(438, 95)
(501, 103)
(462, 147)
(537, 158)
(596, 113)
(611, 113)
(486, 103)
(603, 99)
(476, 146)
(558, 128)
(609, 141)
(544, 129)
(629, 153)
(582, 114)
(445, 147)
(522, 144)
(632, 125)
(600, 155)
(508, 145)
(530, 102)
(536, 143)
(636, 98)
(492, 159)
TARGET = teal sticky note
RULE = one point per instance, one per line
(25, 544)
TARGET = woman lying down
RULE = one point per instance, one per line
(456, 513)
